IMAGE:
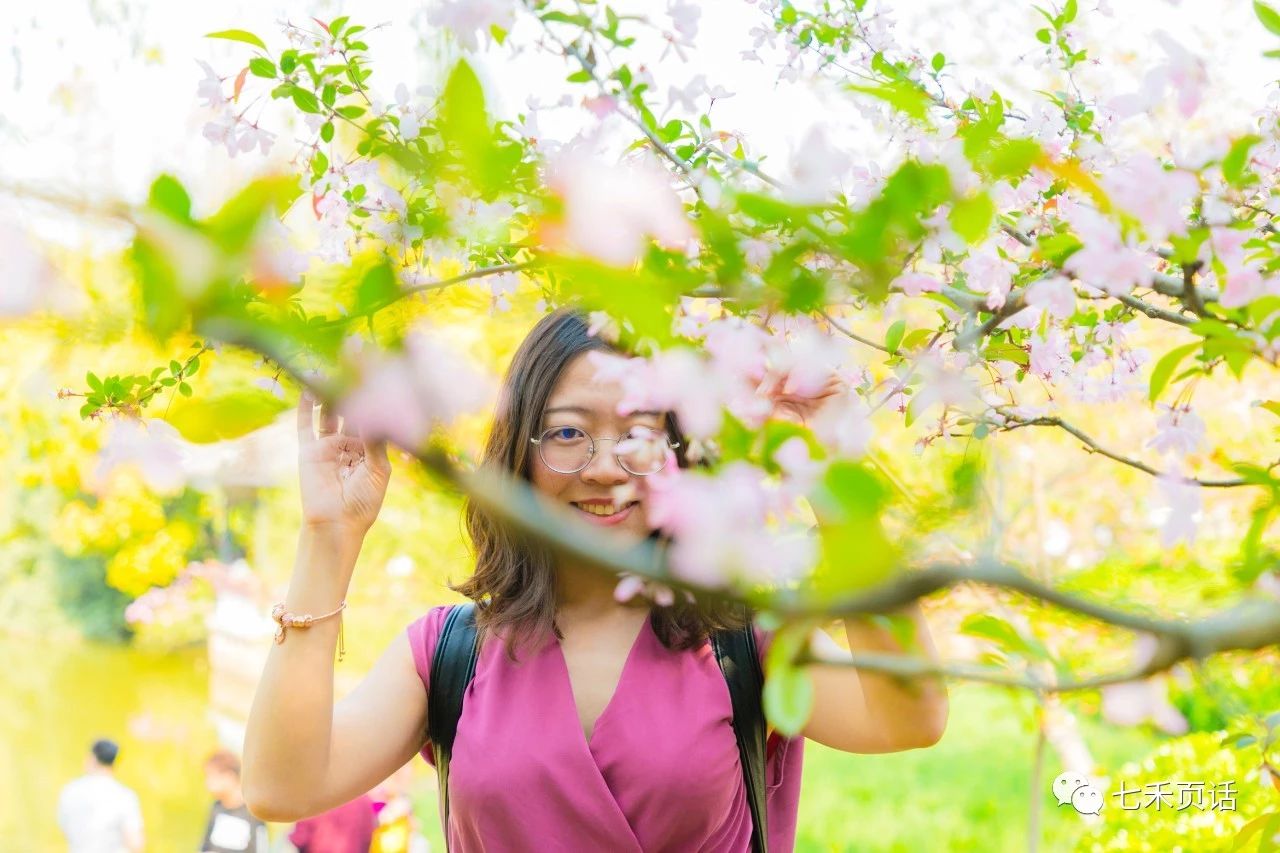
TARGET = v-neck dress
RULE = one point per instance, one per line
(660, 771)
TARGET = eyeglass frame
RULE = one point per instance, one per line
(538, 439)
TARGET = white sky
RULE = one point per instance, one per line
(98, 96)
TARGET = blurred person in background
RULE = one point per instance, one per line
(231, 828)
(96, 812)
(397, 829)
(345, 829)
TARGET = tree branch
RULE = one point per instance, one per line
(511, 500)
(1092, 446)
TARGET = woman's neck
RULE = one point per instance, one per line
(584, 590)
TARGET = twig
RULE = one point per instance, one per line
(1093, 447)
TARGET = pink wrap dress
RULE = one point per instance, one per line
(659, 773)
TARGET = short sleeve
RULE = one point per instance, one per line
(133, 813)
(424, 636)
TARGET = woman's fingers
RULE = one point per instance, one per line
(375, 454)
(306, 415)
(328, 420)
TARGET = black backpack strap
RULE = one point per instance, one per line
(452, 668)
(740, 662)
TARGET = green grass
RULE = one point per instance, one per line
(970, 792)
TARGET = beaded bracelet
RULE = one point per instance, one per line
(285, 620)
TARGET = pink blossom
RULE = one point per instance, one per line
(1246, 285)
(609, 211)
(738, 347)
(402, 396)
(210, 87)
(1132, 702)
(843, 426)
(1179, 431)
(719, 528)
(672, 380)
(1185, 72)
(152, 445)
(1055, 295)
(987, 272)
(1177, 504)
(817, 168)
(470, 19)
(916, 283)
(808, 357)
(1051, 356)
(1106, 261)
(684, 17)
(1161, 199)
(28, 277)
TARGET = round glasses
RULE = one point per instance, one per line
(567, 450)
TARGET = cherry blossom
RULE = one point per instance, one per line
(1160, 198)
(152, 445)
(916, 283)
(1179, 431)
(987, 272)
(28, 279)
(1132, 702)
(610, 210)
(210, 87)
(1106, 261)
(468, 20)
(684, 17)
(1177, 506)
(402, 396)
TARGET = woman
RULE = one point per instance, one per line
(650, 762)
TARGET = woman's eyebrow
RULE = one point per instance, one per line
(580, 410)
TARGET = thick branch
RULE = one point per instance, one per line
(512, 501)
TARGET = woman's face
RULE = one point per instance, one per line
(583, 404)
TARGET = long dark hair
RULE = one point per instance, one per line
(514, 575)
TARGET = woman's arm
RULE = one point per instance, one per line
(302, 754)
(860, 711)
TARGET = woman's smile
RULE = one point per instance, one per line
(604, 511)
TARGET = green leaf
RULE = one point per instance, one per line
(1044, 35)
(1261, 831)
(326, 131)
(91, 379)
(905, 97)
(1269, 17)
(1272, 406)
(971, 217)
(1237, 158)
(170, 197)
(306, 101)
(1068, 13)
(939, 62)
(1003, 635)
(238, 35)
(184, 389)
(1165, 367)
(260, 66)
(893, 337)
(352, 112)
(224, 416)
(788, 699)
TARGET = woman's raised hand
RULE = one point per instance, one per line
(343, 477)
